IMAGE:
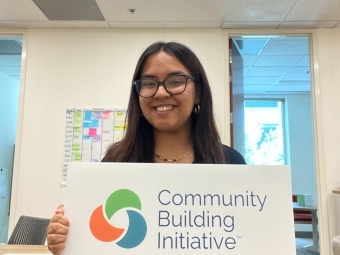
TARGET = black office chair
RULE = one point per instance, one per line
(29, 231)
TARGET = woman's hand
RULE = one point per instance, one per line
(57, 231)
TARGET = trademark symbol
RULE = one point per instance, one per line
(238, 237)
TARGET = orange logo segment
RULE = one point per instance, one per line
(100, 229)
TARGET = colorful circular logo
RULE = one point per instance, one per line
(101, 229)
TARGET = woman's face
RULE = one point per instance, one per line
(165, 112)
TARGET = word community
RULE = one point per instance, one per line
(249, 199)
(185, 241)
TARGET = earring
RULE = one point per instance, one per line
(196, 109)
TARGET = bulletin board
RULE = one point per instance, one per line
(89, 132)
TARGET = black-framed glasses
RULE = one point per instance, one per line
(174, 85)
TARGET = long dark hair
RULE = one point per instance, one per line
(138, 142)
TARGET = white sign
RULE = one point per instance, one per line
(129, 208)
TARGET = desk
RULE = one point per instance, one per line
(24, 249)
(313, 210)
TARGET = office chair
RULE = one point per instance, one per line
(29, 231)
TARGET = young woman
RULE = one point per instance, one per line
(170, 120)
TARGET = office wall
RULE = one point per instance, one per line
(301, 144)
(326, 44)
(85, 68)
(93, 68)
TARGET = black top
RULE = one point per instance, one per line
(232, 156)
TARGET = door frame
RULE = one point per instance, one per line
(16, 162)
(324, 238)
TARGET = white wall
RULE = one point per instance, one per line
(91, 68)
(301, 144)
(84, 68)
(327, 47)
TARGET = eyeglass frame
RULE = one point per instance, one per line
(159, 83)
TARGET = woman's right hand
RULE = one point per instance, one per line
(57, 231)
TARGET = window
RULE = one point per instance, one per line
(264, 132)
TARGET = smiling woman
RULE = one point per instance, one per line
(170, 115)
(170, 112)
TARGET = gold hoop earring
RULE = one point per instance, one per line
(196, 109)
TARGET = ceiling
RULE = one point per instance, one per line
(271, 64)
(169, 13)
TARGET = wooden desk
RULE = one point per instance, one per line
(313, 210)
(24, 249)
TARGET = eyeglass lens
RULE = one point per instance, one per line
(174, 85)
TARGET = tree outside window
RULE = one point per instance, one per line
(264, 132)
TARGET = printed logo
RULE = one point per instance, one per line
(101, 229)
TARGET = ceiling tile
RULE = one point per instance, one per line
(260, 80)
(289, 88)
(117, 10)
(250, 46)
(8, 70)
(305, 61)
(259, 89)
(136, 24)
(194, 10)
(15, 77)
(299, 71)
(245, 70)
(16, 69)
(291, 46)
(15, 10)
(259, 10)
(267, 71)
(308, 24)
(26, 24)
(248, 24)
(192, 24)
(80, 24)
(10, 60)
(298, 80)
(10, 46)
(248, 60)
(305, 10)
(277, 60)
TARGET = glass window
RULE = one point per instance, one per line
(264, 132)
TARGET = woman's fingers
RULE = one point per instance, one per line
(56, 248)
(59, 219)
(57, 231)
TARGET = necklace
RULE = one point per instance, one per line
(175, 159)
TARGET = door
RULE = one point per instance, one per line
(236, 98)
(10, 67)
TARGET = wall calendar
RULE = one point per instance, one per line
(89, 132)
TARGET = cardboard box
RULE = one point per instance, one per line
(304, 199)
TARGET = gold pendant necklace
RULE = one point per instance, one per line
(175, 159)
